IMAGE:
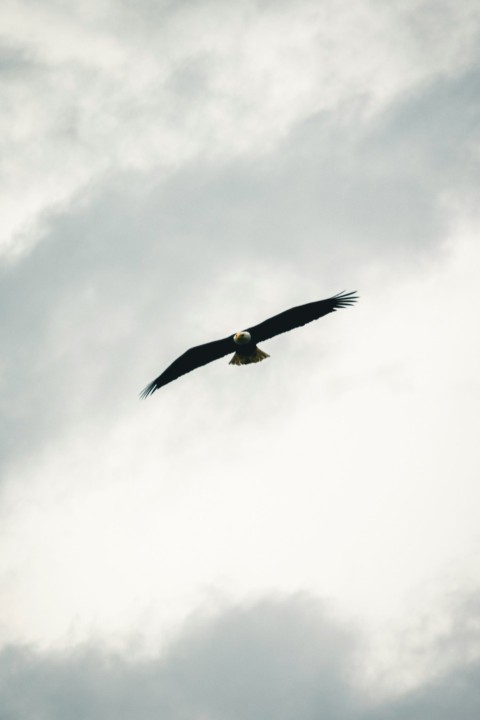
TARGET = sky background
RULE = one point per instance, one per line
(293, 540)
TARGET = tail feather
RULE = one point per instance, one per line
(257, 356)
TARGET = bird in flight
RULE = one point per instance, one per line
(244, 343)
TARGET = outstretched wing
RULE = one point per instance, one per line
(193, 358)
(300, 315)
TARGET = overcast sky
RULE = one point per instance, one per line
(296, 539)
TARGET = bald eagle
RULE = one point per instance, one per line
(244, 343)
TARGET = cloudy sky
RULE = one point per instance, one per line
(297, 539)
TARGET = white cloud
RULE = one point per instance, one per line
(326, 479)
(193, 168)
(101, 88)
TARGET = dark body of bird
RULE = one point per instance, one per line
(244, 344)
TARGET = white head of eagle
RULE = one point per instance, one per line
(242, 338)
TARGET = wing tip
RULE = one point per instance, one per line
(147, 391)
(345, 299)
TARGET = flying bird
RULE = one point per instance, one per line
(244, 343)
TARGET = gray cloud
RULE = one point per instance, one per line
(174, 175)
(282, 658)
(82, 308)
(13, 61)
(158, 84)
(453, 695)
